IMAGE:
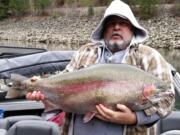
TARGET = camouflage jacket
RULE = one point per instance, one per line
(141, 56)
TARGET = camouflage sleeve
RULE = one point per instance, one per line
(84, 57)
(143, 119)
(73, 65)
(154, 63)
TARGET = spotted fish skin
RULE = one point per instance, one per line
(107, 84)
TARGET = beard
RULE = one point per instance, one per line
(117, 45)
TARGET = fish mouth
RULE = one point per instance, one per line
(3, 94)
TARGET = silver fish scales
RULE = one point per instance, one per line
(107, 84)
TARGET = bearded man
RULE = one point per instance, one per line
(117, 39)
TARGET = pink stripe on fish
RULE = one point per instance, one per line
(91, 86)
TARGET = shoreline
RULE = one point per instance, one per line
(164, 31)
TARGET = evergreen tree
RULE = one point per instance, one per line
(4, 8)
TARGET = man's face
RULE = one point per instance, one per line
(117, 33)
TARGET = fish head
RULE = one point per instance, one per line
(22, 82)
(19, 85)
(10, 91)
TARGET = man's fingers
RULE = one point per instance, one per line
(38, 95)
(107, 113)
(106, 110)
(122, 108)
(41, 97)
(35, 95)
(28, 95)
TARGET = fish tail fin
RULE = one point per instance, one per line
(20, 82)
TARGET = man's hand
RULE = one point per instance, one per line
(35, 95)
(123, 115)
(39, 96)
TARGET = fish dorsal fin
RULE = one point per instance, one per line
(88, 116)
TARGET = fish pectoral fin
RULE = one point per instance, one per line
(88, 116)
(49, 106)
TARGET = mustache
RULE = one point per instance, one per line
(116, 33)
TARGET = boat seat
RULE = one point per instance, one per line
(7, 122)
(34, 127)
(172, 132)
(3, 132)
(170, 124)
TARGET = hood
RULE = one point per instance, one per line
(121, 9)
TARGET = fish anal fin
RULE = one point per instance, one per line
(88, 116)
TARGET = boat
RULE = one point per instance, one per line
(19, 111)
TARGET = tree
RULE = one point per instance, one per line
(4, 8)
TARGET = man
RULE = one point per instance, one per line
(116, 40)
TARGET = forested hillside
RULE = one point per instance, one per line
(15, 8)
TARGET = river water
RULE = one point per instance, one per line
(172, 56)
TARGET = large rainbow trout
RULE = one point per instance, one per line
(107, 84)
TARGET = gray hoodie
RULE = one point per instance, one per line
(122, 10)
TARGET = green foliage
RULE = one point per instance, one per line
(42, 4)
(90, 10)
(23, 7)
(176, 8)
(18, 7)
(3, 9)
(143, 8)
(3, 13)
(147, 8)
(109, 1)
(55, 14)
(101, 2)
(86, 2)
(59, 3)
(69, 2)
(90, 5)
